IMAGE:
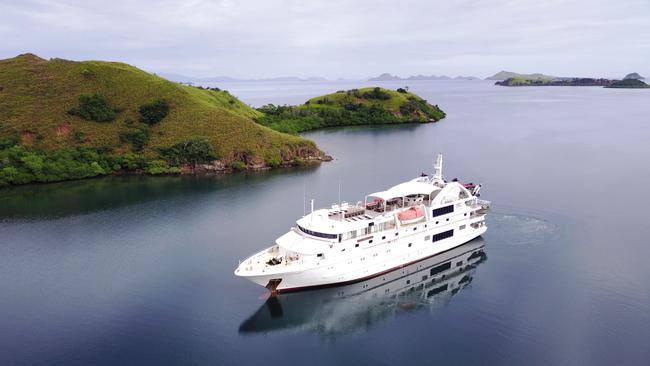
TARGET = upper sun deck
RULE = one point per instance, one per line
(381, 207)
(378, 207)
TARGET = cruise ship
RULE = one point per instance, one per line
(391, 229)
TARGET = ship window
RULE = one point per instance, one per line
(458, 264)
(415, 228)
(410, 244)
(442, 235)
(437, 222)
(317, 234)
(462, 227)
(320, 255)
(396, 234)
(427, 238)
(465, 214)
(442, 210)
(447, 219)
(383, 237)
(370, 241)
(356, 245)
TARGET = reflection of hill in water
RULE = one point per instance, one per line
(347, 309)
(92, 195)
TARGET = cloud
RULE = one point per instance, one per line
(261, 38)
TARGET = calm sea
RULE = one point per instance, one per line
(139, 270)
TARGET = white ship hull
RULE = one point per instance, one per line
(341, 272)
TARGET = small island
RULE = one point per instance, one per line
(523, 81)
(504, 75)
(507, 78)
(366, 106)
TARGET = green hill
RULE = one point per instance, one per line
(633, 75)
(63, 119)
(504, 75)
(366, 106)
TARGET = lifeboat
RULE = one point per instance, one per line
(412, 215)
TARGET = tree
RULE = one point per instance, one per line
(195, 151)
(154, 112)
(94, 107)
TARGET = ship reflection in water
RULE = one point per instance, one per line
(424, 285)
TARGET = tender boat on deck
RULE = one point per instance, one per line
(391, 229)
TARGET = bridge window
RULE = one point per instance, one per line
(317, 234)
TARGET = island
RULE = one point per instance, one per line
(504, 75)
(508, 78)
(64, 120)
(523, 81)
(366, 106)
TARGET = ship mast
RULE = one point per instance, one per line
(437, 175)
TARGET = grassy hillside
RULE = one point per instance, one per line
(366, 106)
(48, 107)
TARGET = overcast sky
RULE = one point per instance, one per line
(336, 38)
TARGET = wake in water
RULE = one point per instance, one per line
(512, 229)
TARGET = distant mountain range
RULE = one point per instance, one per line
(228, 79)
(389, 77)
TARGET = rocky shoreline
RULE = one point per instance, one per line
(224, 166)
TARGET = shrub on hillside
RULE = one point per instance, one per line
(156, 167)
(238, 165)
(94, 107)
(376, 93)
(154, 112)
(138, 138)
(195, 151)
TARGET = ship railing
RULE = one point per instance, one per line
(484, 203)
